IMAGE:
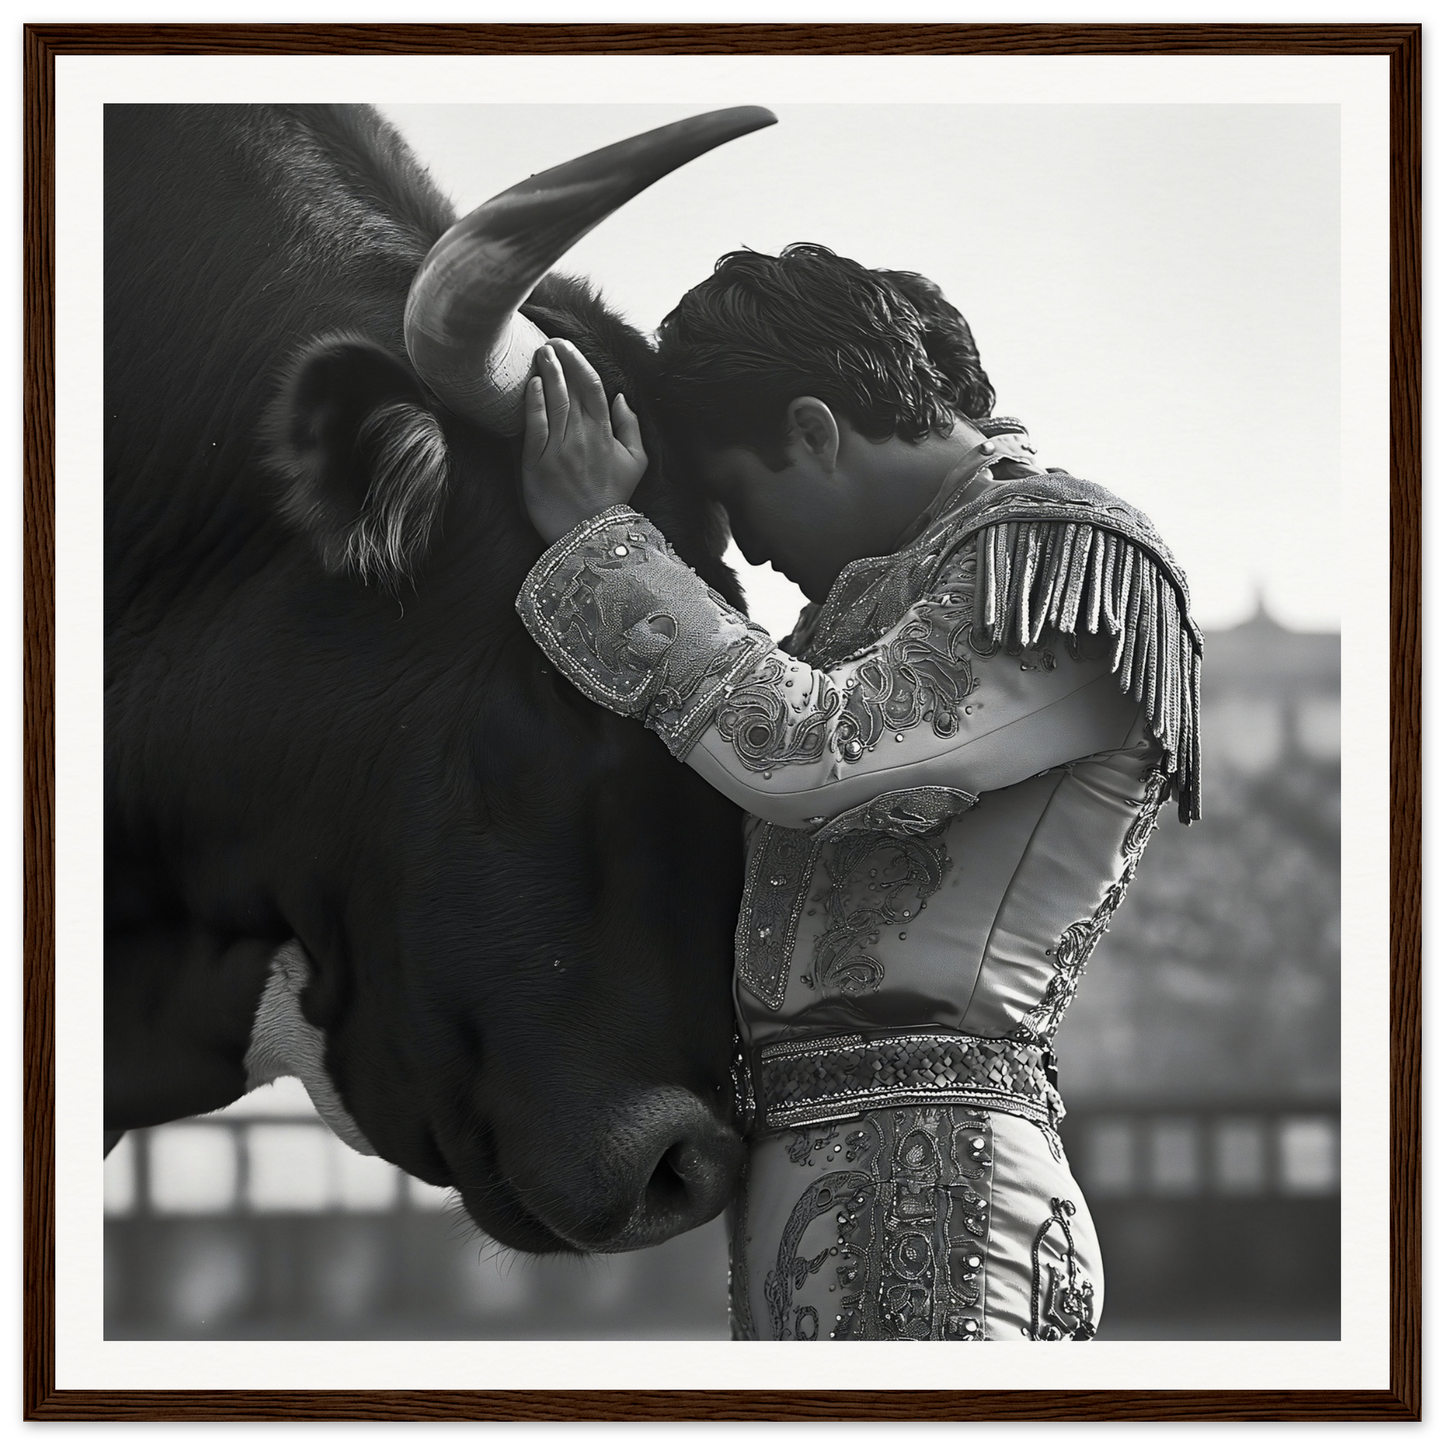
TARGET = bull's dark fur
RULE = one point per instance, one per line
(323, 718)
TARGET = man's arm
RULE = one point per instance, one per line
(637, 631)
(924, 707)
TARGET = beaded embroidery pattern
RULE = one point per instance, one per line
(921, 673)
(921, 670)
(1061, 1306)
(773, 898)
(908, 1233)
(904, 874)
(1079, 939)
(765, 730)
(804, 1081)
(740, 1310)
(635, 629)
(784, 860)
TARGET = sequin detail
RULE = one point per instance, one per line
(782, 864)
(875, 881)
(920, 674)
(904, 1231)
(773, 897)
(636, 629)
(1061, 1304)
(768, 730)
(1077, 943)
(799, 1082)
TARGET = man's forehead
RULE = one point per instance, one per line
(727, 472)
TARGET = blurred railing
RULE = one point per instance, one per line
(1130, 1151)
(1221, 1221)
(258, 1222)
(268, 1154)
(235, 1164)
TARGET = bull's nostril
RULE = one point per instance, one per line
(676, 1177)
(668, 1164)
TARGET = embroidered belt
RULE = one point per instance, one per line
(797, 1082)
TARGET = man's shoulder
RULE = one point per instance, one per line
(1056, 553)
(1035, 554)
(1049, 496)
(1055, 508)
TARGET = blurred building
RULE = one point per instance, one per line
(1200, 1063)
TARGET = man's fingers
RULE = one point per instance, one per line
(626, 429)
(583, 383)
(554, 387)
(535, 416)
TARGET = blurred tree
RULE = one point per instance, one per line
(1219, 979)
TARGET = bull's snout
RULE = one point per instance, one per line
(664, 1165)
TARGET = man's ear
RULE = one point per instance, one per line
(362, 457)
(813, 432)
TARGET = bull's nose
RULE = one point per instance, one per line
(666, 1165)
(690, 1183)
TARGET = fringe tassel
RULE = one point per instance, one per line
(986, 548)
(1059, 571)
(1110, 596)
(1131, 615)
(1147, 688)
(1029, 543)
(1121, 612)
(1096, 581)
(1055, 560)
(1078, 578)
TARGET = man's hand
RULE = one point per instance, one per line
(580, 456)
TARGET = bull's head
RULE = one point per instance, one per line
(528, 995)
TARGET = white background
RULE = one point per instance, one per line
(1077, 372)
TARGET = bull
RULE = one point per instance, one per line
(323, 719)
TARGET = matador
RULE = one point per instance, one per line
(950, 770)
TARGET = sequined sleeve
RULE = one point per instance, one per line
(637, 631)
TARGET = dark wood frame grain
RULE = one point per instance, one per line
(1401, 1401)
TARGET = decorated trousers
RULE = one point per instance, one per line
(915, 1223)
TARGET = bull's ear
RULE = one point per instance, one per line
(362, 457)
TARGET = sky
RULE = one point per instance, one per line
(1154, 289)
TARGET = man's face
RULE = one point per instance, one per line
(797, 518)
(839, 495)
(809, 522)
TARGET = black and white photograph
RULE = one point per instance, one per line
(722, 721)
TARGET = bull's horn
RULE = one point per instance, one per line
(463, 333)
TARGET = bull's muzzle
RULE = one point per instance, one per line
(664, 1165)
(463, 333)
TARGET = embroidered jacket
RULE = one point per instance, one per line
(1030, 647)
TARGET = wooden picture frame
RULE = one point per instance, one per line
(43, 44)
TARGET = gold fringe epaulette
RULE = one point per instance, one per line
(1055, 552)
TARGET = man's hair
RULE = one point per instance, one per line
(882, 348)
